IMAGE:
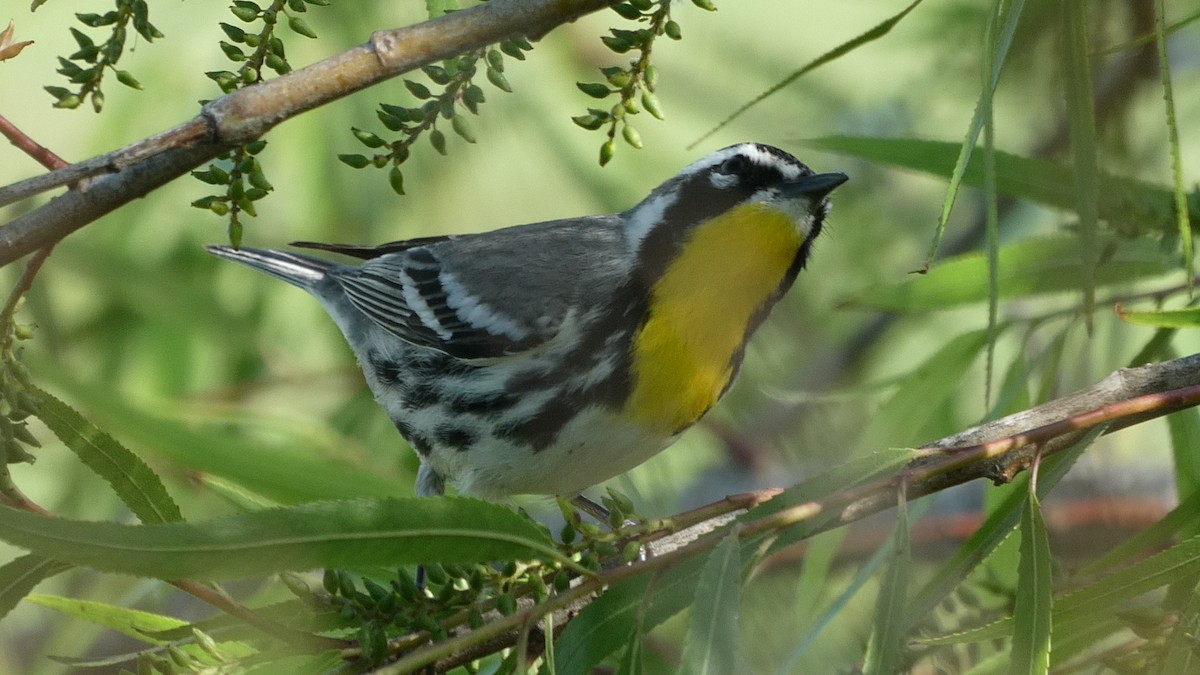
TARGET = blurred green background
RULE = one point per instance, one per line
(216, 375)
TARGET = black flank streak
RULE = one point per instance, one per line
(455, 437)
(541, 430)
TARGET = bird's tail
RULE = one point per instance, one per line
(298, 270)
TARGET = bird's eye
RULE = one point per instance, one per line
(735, 165)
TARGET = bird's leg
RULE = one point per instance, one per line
(602, 514)
(429, 484)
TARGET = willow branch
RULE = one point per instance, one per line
(112, 180)
(996, 450)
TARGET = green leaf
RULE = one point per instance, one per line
(133, 481)
(998, 525)
(885, 647)
(351, 533)
(1171, 318)
(1031, 616)
(922, 392)
(278, 472)
(1082, 123)
(1182, 217)
(710, 647)
(1180, 655)
(606, 624)
(875, 33)
(19, 576)
(1121, 199)
(134, 623)
(1029, 267)
(631, 659)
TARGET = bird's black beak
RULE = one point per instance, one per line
(814, 186)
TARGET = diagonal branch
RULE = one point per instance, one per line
(246, 114)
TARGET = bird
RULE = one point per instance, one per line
(549, 357)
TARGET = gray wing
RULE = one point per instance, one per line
(492, 294)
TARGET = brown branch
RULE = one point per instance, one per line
(246, 114)
(42, 154)
(996, 450)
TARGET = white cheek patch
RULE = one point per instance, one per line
(475, 312)
(797, 209)
(645, 216)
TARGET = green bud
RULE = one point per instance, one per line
(300, 26)
(498, 80)
(590, 122)
(512, 49)
(594, 89)
(619, 79)
(627, 11)
(475, 619)
(607, 151)
(232, 51)
(650, 103)
(219, 207)
(417, 89)
(642, 5)
(462, 128)
(437, 74)
(671, 29)
(495, 60)
(705, 4)
(438, 140)
(251, 40)
(567, 534)
(506, 605)
(236, 34)
(650, 78)
(436, 574)
(562, 581)
(632, 550)
(616, 44)
(366, 138)
(295, 584)
(97, 100)
(246, 14)
(354, 161)
(396, 180)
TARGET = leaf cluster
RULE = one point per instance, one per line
(85, 69)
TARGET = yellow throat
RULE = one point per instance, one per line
(700, 310)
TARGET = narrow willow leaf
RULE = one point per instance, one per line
(631, 659)
(1170, 318)
(18, 577)
(710, 647)
(131, 622)
(1180, 655)
(994, 56)
(1121, 198)
(133, 481)
(1098, 601)
(904, 416)
(1185, 438)
(996, 527)
(1183, 519)
(871, 35)
(275, 472)
(1082, 123)
(351, 533)
(1031, 615)
(885, 647)
(1029, 267)
(1179, 193)
(603, 628)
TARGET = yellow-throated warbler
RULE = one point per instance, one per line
(546, 358)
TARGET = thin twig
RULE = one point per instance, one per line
(39, 152)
